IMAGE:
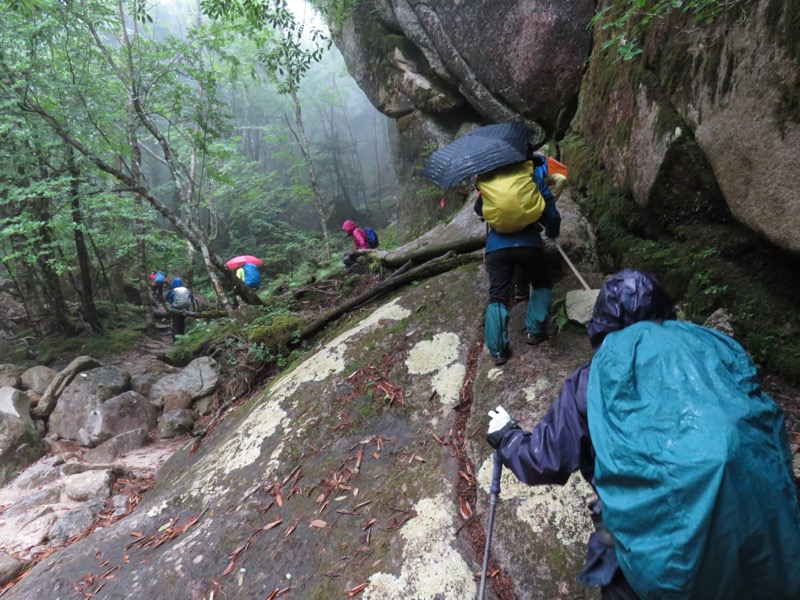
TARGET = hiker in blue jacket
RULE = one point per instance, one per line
(524, 250)
(733, 534)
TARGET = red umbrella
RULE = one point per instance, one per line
(239, 261)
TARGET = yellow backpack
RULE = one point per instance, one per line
(511, 200)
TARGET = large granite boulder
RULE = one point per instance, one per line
(712, 131)
(440, 67)
(87, 391)
(16, 403)
(492, 58)
(120, 414)
(37, 379)
(198, 379)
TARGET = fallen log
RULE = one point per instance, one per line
(429, 269)
(208, 314)
(395, 259)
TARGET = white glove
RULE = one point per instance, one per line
(499, 418)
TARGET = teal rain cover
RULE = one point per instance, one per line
(693, 466)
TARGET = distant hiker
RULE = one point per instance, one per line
(360, 239)
(159, 279)
(519, 204)
(250, 275)
(689, 457)
(180, 299)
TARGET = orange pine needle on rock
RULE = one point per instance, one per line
(356, 590)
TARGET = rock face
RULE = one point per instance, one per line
(438, 65)
(712, 130)
(703, 125)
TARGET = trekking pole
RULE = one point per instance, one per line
(494, 498)
(571, 266)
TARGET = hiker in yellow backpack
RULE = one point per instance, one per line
(516, 203)
(555, 176)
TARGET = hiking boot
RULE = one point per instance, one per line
(521, 292)
(548, 330)
(501, 359)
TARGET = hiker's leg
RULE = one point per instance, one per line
(500, 268)
(618, 589)
(178, 325)
(521, 286)
(538, 310)
(501, 273)
(534, 263)
(495, 332)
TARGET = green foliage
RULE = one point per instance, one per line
(558, 312)
(628, 21)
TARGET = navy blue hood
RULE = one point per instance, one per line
(177, 282)
(626, 298)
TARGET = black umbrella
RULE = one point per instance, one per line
(477, 152)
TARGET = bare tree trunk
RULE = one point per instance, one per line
(354, 155)
(377, 160)
(303, 142)
(86, 290)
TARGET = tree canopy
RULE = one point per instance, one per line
(138, 137)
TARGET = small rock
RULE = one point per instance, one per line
(75, 521)
(37, 379)
(35, 532)
(120, 504)
(117, 446)
(720, 320)
(10, 568)
(204, 405)
(175, 423)
(51, 495)
(88, 486)
(176, 400)
(37, 475)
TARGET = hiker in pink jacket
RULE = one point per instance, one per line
(359, 237)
